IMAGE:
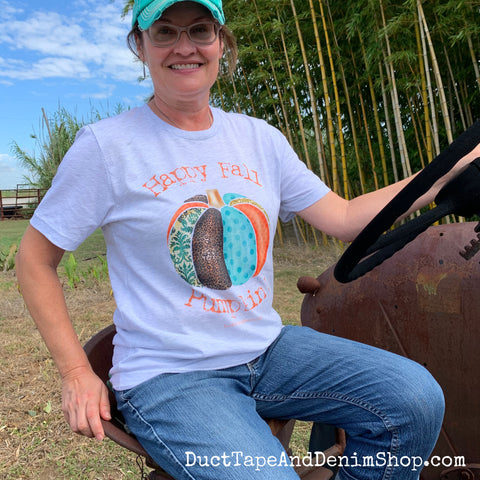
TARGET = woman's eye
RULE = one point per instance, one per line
(164, 30)
(199, 29)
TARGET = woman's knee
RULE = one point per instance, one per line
(423, 402)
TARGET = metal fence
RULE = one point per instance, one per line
(20, 202)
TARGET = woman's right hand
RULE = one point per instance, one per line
(85, 396)
(85, 402)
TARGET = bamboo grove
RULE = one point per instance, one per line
(366, 91)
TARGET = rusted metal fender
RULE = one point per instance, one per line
(423, 303)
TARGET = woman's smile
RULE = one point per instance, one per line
(187, 66)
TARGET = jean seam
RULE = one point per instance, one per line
(154, 432)
(253, 373)
(252, 366)
(394, 443)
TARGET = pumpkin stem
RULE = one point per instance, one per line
(214, 199)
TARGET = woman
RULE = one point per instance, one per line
(188, 198)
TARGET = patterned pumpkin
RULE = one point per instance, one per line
(217, 242)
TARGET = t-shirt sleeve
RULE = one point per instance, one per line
(80, 197)
(300, 187)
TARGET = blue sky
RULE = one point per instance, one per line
(70, 53)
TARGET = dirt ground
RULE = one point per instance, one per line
(35, 441)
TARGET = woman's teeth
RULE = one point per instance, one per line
(186, 66)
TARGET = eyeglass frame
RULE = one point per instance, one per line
(180, 30)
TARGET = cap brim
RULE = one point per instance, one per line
(154, 11)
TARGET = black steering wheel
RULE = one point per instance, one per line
(460, 196)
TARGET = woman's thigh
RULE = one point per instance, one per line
(390, 407)
(204, 425)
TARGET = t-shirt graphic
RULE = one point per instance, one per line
(218, 241)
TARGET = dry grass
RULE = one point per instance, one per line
(291, 262)
(35, 442)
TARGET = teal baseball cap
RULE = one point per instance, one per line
(149, 11)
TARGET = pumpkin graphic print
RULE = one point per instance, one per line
(217, 242)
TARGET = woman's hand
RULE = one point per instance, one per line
(85, 402)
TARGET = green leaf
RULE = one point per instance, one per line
(48, 407)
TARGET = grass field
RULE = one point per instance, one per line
(11, 231)
(35, 441)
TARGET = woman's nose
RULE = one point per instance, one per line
(184, 44)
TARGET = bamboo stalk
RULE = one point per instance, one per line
(297, 108)
(407, 171)
(343, 158)
(364, 119)
(273, 70)
(326, 95)
(353, 128)
(474, 59)
(436, 70)
(388, 125)
(376, 116)
(424, 92)
(454, 85)
(313, 103)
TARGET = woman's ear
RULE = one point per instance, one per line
(221, 44)
(139, 42)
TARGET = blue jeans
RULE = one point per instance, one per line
(208, 424)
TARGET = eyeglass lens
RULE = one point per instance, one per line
(165, 34)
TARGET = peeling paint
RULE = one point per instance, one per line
(429, 282)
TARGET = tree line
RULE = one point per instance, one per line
(366, 91)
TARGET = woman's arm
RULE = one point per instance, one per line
(345, 219)
(84, 396)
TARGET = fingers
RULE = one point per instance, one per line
(84, 405)
(105, 406)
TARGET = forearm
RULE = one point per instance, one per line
(44, 298)
(365, 207)
(361, 210)
(345, 219)
(43, 295)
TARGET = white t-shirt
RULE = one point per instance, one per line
(189, 220)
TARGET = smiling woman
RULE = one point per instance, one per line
(188, 197)
(204, 34)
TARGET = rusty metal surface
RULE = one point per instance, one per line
(423, 303)
(469, 472)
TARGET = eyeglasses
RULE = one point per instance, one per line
(166, 35)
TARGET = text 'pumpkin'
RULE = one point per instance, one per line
(218, 242)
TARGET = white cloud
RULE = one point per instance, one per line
(47, 67)
(10, 172)
(46, 33)
(7, 10)
(7, 163)
(88, 43)
(105, 91)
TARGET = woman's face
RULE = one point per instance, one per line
(183, 72)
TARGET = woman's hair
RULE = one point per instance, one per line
(229, 63)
